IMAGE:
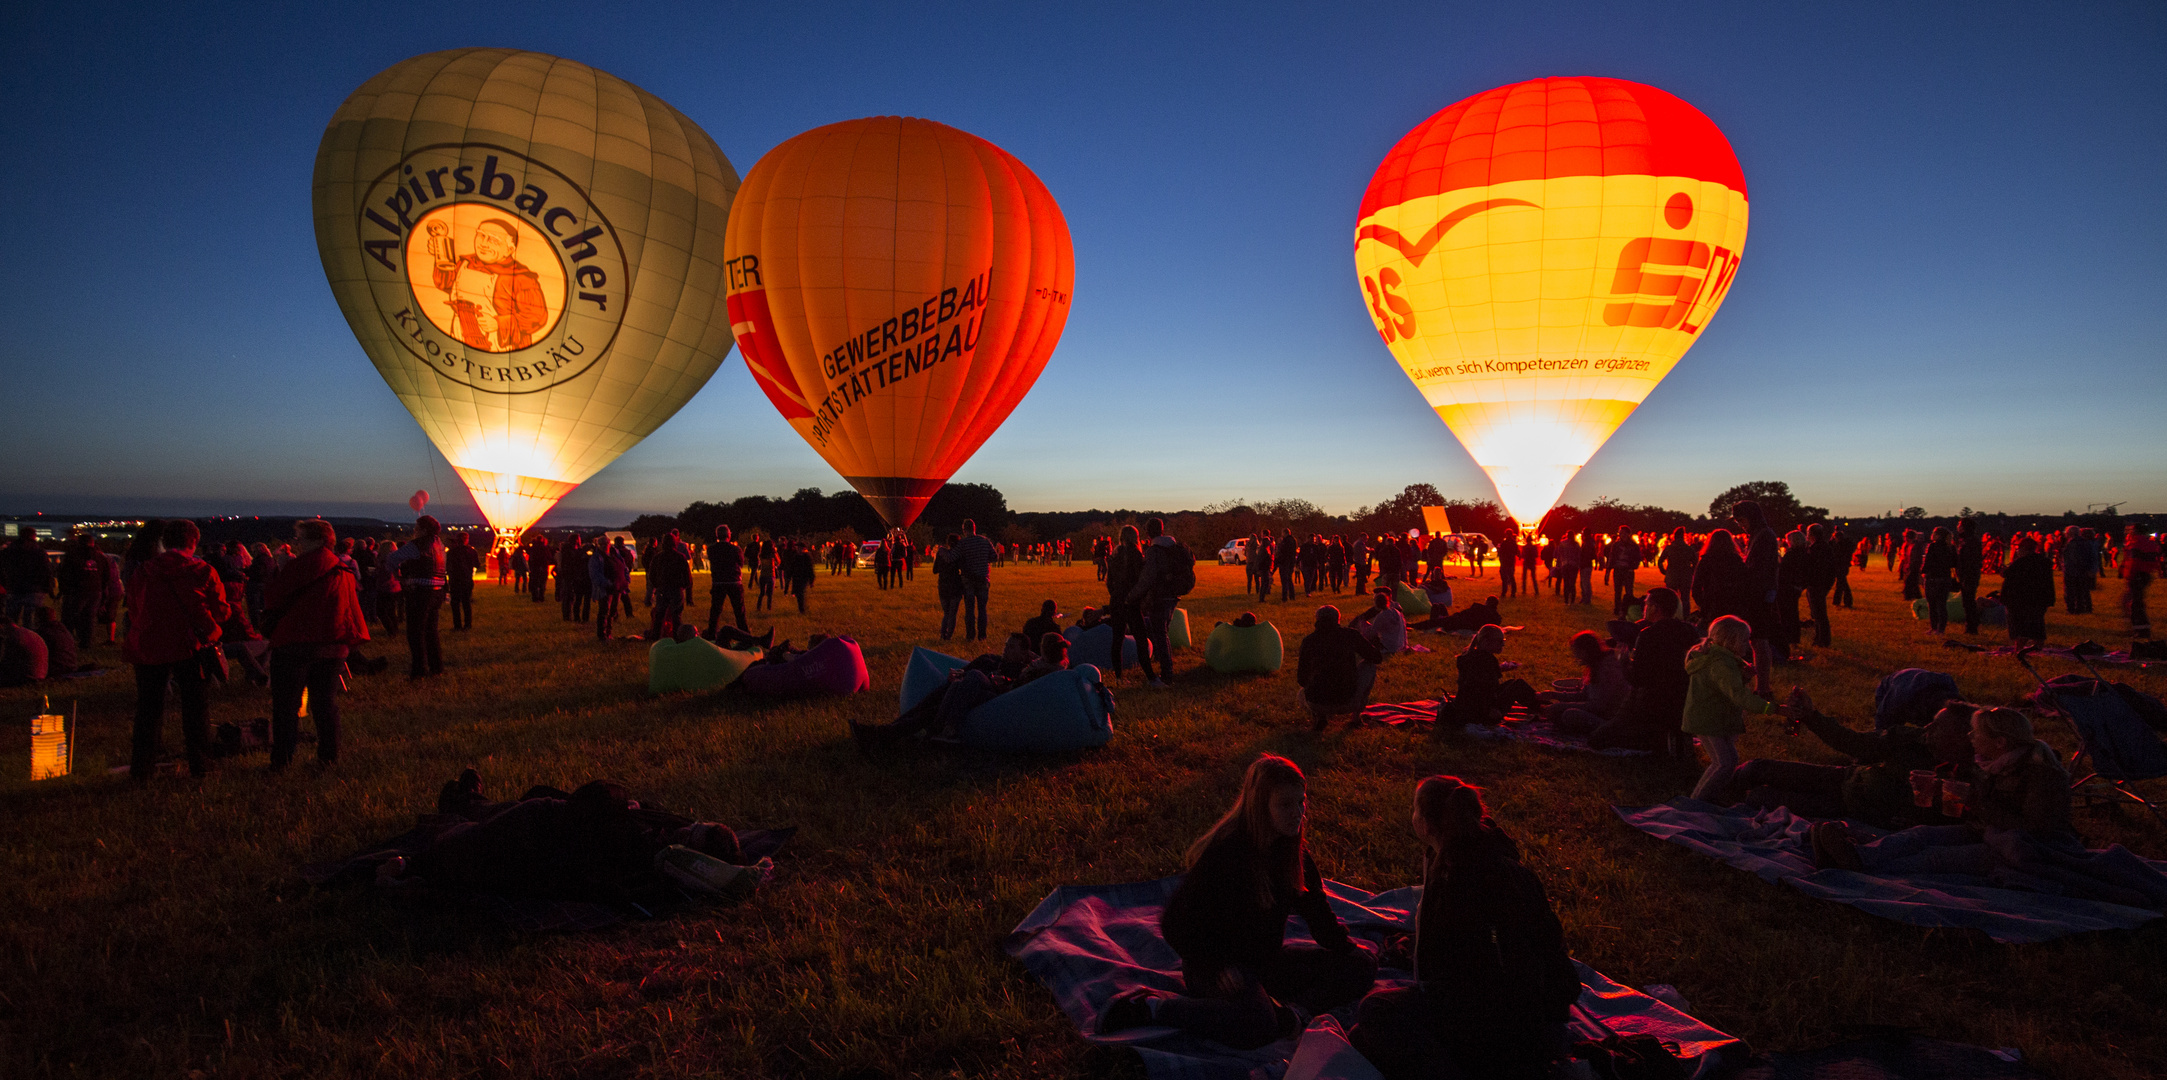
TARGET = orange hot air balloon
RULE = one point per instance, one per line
(1539, 256)
(896, 286)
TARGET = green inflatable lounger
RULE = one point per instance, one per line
(1177, 629)
(1231, 649)
(1413, 604)
(697, 664)
(1064, 710)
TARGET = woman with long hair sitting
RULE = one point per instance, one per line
(1247, 985)
(1493, 982)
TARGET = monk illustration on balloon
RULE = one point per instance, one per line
(490, 300)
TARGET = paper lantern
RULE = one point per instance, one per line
(896, 286)
(52, 746)
(1539, 256)
(530, 251)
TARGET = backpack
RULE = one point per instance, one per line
(1180, 570)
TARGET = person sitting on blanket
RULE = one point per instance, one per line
(1473, 617)
(1383, 624)
(1484, 693)
(1247, 985)
(1877, 787)
(1602, 692)
(2015, 830)
(1493, 982)
(1336, 670)
(1655, 671)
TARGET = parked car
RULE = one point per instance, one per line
(866, 548)
(1235, 552)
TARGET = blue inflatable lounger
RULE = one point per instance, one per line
(927, 672)
(1235, 649)
(1095, 646)
(1066, 710)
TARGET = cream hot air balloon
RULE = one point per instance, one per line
(530, 251)
(896, 286)
(1539, 256)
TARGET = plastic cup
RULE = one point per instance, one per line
(1924, 784)
(1954, 794)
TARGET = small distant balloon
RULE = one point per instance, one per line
(417, 500)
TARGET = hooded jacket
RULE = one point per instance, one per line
(1716, 692)
(319, 602)
(176, 605)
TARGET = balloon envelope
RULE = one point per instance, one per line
(1538, 256)
(896, 286)
(530, 251)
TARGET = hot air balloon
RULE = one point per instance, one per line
(530, 251)
(896, 286)
(1539, 256)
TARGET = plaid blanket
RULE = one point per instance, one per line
(1088, 943)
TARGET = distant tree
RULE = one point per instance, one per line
(1965, 513)
(1913, 513)
(649, 526)
(1013, 535)
(1401, 512)
(982, 503)
(1778, 505)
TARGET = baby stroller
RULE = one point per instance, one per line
(2122, 749)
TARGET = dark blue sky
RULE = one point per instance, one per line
(1954, 290)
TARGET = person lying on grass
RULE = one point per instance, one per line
(1484, 694)
(2015, 828)
(1602, 691)
(1473, 617)
(592, 844)
(1876, 788)
(1246, 984)
(1493, 982)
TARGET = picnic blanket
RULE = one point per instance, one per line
(1090, 942)
(1537, 730)
(1892, 1055)
(521, 914)
(1773, 845)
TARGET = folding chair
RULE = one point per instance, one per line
(2123, 749)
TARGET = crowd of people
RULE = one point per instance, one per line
(1686, 662)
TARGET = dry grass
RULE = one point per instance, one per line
(142, 938)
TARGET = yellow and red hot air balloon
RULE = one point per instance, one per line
(896, 286)
(530, 251)
(1539, 256)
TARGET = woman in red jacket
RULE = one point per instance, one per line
(175, 607)
(313, 612)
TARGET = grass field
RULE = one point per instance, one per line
(142, 937)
